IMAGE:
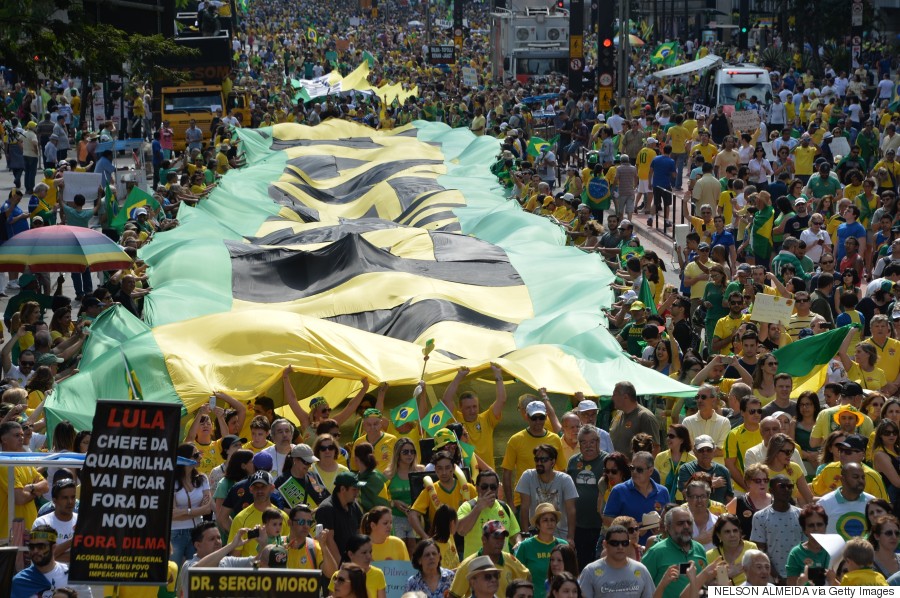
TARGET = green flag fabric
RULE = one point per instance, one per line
(138, 198)
(112, 206)
(405, 413)
(369, 58)
(436, 419)
(665, 54)
(646, 296)
(803, 356)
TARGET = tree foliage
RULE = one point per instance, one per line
(46, 39)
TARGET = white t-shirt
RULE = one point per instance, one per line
(885, 89)
(64, 529)
(814, 251)
(277, 459)
(59, 578)
(192, 501)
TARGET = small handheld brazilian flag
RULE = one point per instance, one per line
(428, 348)
(436, 419)
(311, 35)
(405, 413)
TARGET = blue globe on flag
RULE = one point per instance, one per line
(435, 419)
(403, 413)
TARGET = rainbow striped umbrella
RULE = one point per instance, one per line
(61, 249)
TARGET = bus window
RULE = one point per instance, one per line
(207, 101)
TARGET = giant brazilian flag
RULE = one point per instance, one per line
(340, 250)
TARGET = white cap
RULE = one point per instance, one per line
(504, 126)
(652, 140)
(586, 405)
(704, 441)
(534, 408)
(568, 197)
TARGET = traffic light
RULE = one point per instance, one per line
(559, 4)
(743, 24)
(607, 43)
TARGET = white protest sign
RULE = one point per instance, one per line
(745, 120)
(770, 155)
(840, 146)
(700, 110)
(469, 76)
(833, 545)
(772, 309)
(84, 183)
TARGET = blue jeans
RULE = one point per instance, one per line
(82, 282)
(182, 547)
(680, 159)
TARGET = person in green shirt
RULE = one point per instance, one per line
(813, 520)
(678, 547)
(534, 552)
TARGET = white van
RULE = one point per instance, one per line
(721, 86)
(721, 83)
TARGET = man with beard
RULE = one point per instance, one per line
(544, 484)
(45, 573)
(678, 547)
(616, 572)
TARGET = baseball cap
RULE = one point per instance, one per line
(26, 279)
(568, 197)
(229, 440)
(263, 461)
(90, 302)
(48, 359)
(304, 453)
(278, 557)
(702, 246)
(260, 477)
(637, 306)
(586, 405)
(625, 222)
(651, 140)
(854, 442)
(347, 478)
(743, 268)
(799, 200)
(494, 528)
(704, 441)
(887, 285)
(504, 126)
(535, 408)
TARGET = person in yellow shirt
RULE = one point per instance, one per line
(520, 448)
(259, 432)
(804, 156)
(261, 487)
(887, 351)
(706, 148)
(859, 558)
(678, 138)
(28, 482)
(892, 167)
(479, 424)
(862, 369)
(447, 490)
(703, 224)
(222, 163)
(644, 158)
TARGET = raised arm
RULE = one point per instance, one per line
(449, 398)
(192, 431)
(500, 399)
(239, 407)
(6, 351)
(350, 409)
(290, 397)
(551, 413)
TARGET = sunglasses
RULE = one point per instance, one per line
(671, 436)
(26, 363)
(491, 576)
(890, 532)
(753, 411)
(542, 459)
(611, 471)
(760, 480)
(535, 418)
(787, 452)
(889, 433)
(304, 521)
(328, 447)
(786, 486)
(196, 456)
(487, 487)
(637, 469)
(340, 579)
(802, 300)
(633, 530)
(408, 452)
(847, 451)
(618, 543)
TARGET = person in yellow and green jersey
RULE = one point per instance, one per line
(743, 437)
(804, 156)
(758, 244)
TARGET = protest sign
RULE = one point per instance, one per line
(700, 110)
(840, 146)
(772, 309)
(770, 153)
(127, 489)
(396, 573)
(441, 54)
(259, 583)
(745, 120)
(469, 76)
(84, 183)
(292, 492)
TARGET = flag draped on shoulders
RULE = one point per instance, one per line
(761, 234)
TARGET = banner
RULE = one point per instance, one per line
(772, 309)
(469, 76)
(700, 110)
(84, 183)
(259, 583)
(396, 574)
(127, 489)
(745, 120)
